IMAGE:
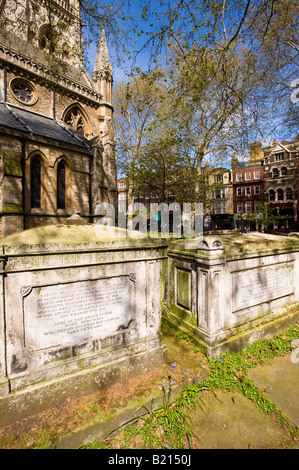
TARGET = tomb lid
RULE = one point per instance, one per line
(74, 237)
(234, 245)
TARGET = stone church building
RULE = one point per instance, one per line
(57, 141)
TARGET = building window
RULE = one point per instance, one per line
(247, 176)
(284, 171)
(257, 207)
(219, 193)
(271, 195)
(275, 172)
(61, 186)
(257, 175)
(239, 176)
(218, 179)
(257, 190)
(239, 207)
(289, 193)
(219, 208)
(35, 183)
(239, 191)
(248, 207)
(280, 195)
(248, 191)
(278, 157)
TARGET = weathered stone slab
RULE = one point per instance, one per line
(78, 301)
(67, 314)
(258, 285)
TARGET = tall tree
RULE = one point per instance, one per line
(136, 109)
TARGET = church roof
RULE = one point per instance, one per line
(33, 124)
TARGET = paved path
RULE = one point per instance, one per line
(232, 421)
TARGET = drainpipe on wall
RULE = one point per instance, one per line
(23, 155)
(54, 103)
(4, 84)
(91, 157)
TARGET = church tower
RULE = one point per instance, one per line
(57, 142)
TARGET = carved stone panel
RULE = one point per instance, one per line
(71, 313)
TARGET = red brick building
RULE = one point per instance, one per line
(248, 189)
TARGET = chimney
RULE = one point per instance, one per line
(256, 152)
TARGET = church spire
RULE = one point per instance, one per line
(103, 70)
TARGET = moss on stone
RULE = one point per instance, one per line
(12, 163)
(13, 208)
(63, 234)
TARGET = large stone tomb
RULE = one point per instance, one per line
(80, 309)
(233, 288)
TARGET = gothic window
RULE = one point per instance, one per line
(275, 172)
(284, 171)
(32, 32)
(35, 183)
(61, 186)
(75, 120)
(23, 91)
(46, 39)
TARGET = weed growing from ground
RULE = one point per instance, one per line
(170, 424)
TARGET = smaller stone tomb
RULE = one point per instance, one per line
(233, 288)
(65, 314)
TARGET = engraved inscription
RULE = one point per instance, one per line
(66, 314)
(259, 285)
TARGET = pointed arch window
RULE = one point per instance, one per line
(47, 37)
(35, 183)
(75, 120)
(61, 186)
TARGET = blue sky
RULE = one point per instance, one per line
(131, 41)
